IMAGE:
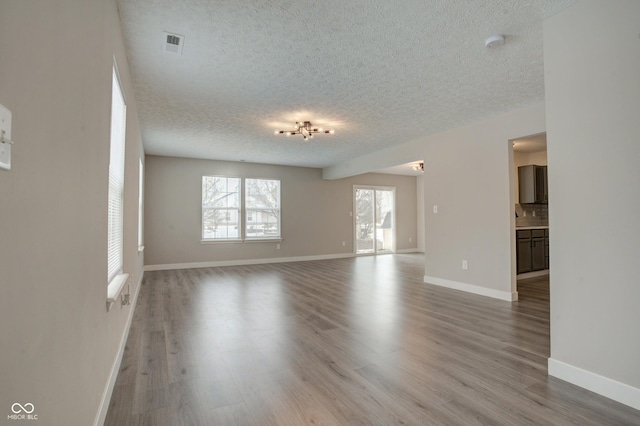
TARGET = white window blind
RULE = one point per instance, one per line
(262, 205)
(221, 208)
(140, 203)
(116, 180)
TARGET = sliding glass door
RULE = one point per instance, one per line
(374, 219)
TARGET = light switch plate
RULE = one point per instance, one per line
(5, 148)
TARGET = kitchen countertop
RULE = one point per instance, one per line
(524, 228)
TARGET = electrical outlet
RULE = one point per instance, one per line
(524, 213)
(435, 209)
(533, 213)
(465, 265)
(344, 243)
(278, 246)
(410, 239)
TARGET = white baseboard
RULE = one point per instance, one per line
(213, 264)
(108, 390)
(604, 386)
(410, 250)
(470, 288)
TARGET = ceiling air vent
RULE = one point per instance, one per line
(173, 43)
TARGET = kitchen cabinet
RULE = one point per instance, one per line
(532, 250)
(532, 184)
(546, 249)
(523, 250)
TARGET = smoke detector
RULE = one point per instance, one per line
(172, 43)
(494, 41)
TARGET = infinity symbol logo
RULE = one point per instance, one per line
(17, 408)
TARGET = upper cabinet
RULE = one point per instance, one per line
(533, 184)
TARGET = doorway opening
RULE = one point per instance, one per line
(374, 219)
(530, 199)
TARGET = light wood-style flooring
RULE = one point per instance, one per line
(358, 341)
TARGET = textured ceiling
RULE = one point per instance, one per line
(379, 72)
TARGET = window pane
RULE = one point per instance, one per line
(220, 223)
(115, 228)
(262, 204)
(264, 223)
(140, 202)
(220, 192)
(262, 193)
(220, 207)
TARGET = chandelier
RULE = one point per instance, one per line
(304, 128)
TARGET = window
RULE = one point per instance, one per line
(116, 180)
(140, 205)
(220, 208)
(262, 207)
(223, 209)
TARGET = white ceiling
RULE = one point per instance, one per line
(529, 144)
(379, 72)
(402, 169)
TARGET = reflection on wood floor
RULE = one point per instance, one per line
(346, 341)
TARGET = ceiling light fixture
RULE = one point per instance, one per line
(304, 128)
(419, 167)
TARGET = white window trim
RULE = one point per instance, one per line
(244, 227)
(140, 206)
(116, 278)
(222, 240)
(242, 216)
(244, 241)
(113, 274)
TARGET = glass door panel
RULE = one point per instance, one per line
(374, 220)
(384, 221)
(365, 220)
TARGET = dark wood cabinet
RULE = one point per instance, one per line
(546, 249)
(532, 184)
(524, 255)
(532, 250)
(537, 254)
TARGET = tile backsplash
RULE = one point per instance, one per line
(541, 217)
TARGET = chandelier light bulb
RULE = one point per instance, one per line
(304, 128)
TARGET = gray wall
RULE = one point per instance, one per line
(59, 343)
(420, 200)
(593, 102)
(315, 212)
(468, 175)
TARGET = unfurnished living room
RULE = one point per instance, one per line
(319, 212)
